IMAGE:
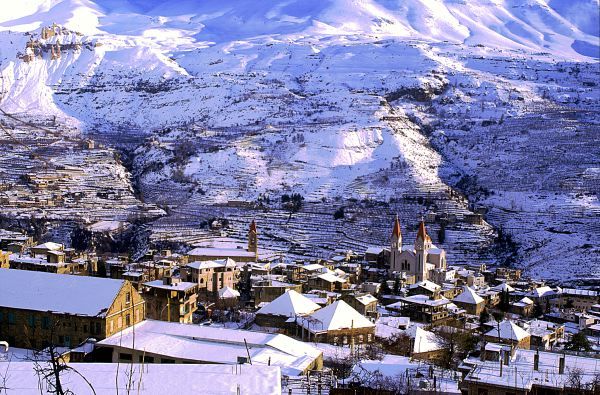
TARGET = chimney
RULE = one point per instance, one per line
(536, 361)
(561, 365)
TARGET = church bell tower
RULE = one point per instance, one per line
(253, 239)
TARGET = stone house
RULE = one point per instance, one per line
(470, 301)
(577, 299)
(421, 308)
(170, 299)
(507, 332)
(268, 290)
(337, 323)
(365, 304)
(544, 334)
(327, 282)
(211, 276)
(283, 311)
(523, 307)
(38, 309)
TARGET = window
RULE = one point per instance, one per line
(119, 322)
(125, 357)
(146, 359)
(1, 317)
(67, 342)
(11, 317)
(112, 326)
(127, 320)
(85, 328)
(128, 297)
(31, 320)
(167, 360)
(98, 328)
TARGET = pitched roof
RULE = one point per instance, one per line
(508, 330)
(338, 315)
(331, 278)
(541, 292)
(424, 341)
(290, 304)
(60, 293)
(228, 262)
(228, 293)
(49, 246)
(468, 296)
(428, 285)
(503, 287)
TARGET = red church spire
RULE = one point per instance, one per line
(397, 231)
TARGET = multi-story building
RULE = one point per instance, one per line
(170, 299)
(422, 308)
(211, 276)
(38, 309)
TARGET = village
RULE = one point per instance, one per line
(398, 318)
(299, 197)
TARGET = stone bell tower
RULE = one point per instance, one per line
(422, 244)
(253, 239)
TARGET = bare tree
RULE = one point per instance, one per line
(49, 366)
(575, 379)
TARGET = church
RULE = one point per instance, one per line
(418, 262)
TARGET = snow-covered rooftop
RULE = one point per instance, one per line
(61, 293)
(290, 304)
(221, 252)
(216, 345)
(22, 379)
(338, 315)
(468, 296)
(176, 286)
(212, 264)
(521, 375)
(228, 293)
(508, 330)
(49, 246)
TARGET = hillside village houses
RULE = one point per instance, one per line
(399, 294)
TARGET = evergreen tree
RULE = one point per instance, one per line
(578, 342)
(385, 288)
(397, 286)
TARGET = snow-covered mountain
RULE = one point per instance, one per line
(385, 100)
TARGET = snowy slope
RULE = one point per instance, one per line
(242, 99)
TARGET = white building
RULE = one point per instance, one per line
(169, 342)
(417, 260)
